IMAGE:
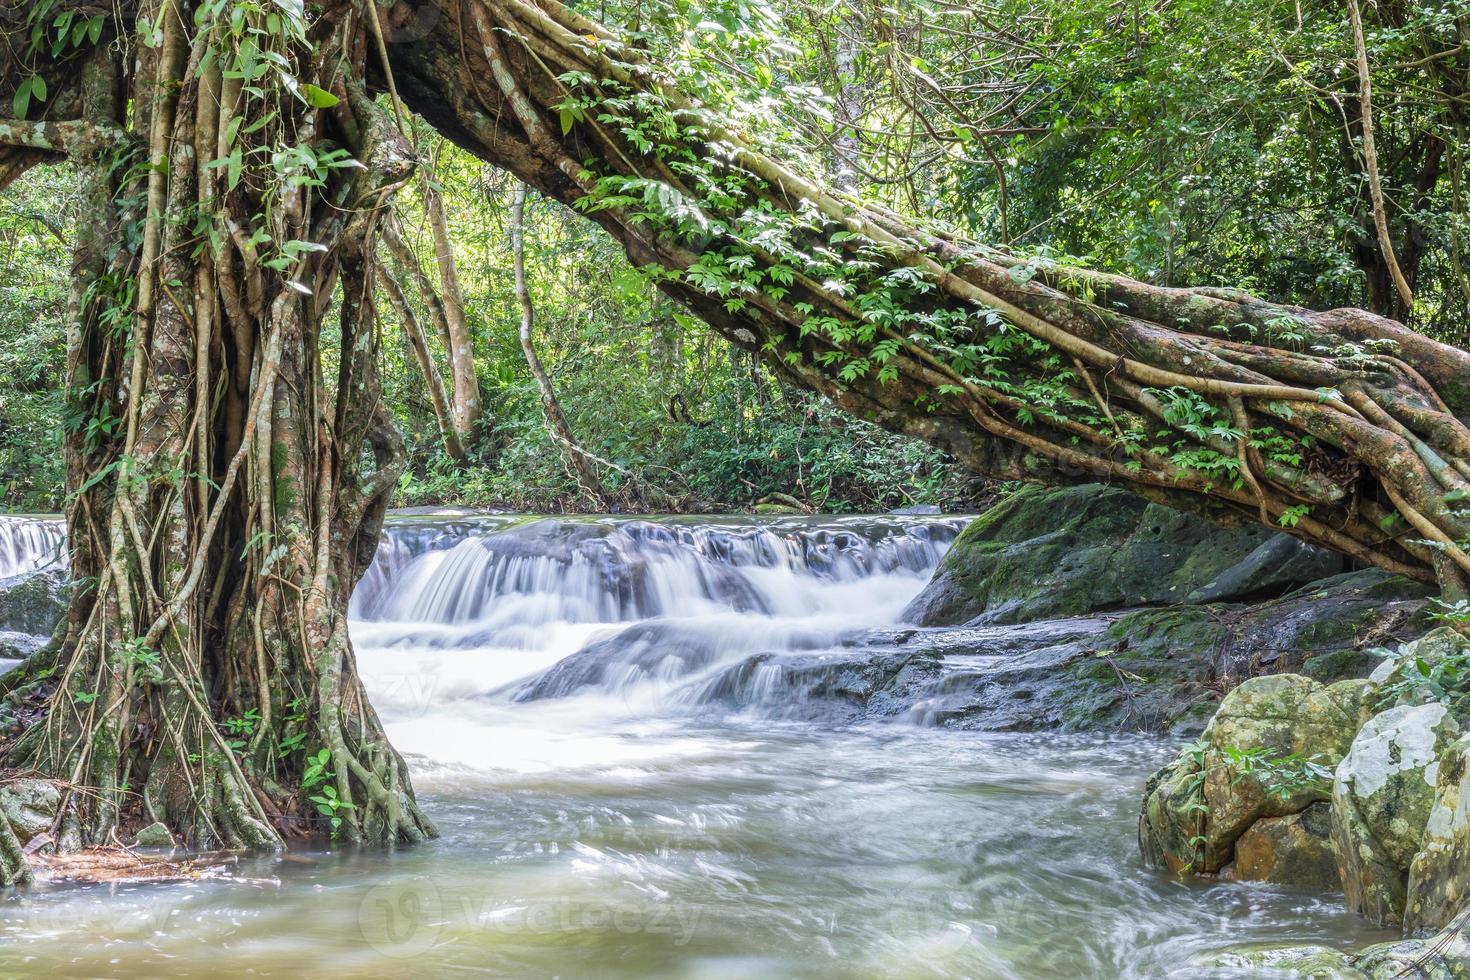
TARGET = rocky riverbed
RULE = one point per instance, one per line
(1321, 718)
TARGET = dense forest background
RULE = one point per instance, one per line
(1202, 143)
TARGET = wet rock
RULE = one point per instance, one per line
(1302, 962)
(1382, 794)
(1439, 876)
(1445, 956)
(637, 655)
(1151, 670)
(18, 646)
(841, 688)
(29, 806)
(1292, 850)
(154, 835)
(1066, 552)
(34, 603)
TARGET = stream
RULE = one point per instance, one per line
(647, 750)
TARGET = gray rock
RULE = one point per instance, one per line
(34, 603)
(29, 806)
(1382, 794)
(1278, 564)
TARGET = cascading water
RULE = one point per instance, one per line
(625, 608)
(697, 750)
(28, 544)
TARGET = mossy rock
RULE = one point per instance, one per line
(1046, 553)
(1439, 877)
(29, 806)
(1428, 650)
(1444, 956)
(1302, 962)
(1382, 796)
(1197, 810)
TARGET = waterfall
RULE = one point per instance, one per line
(29, 544)
(609, 571)
(787, 618)
(530, 610)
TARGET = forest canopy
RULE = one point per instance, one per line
(1197, 143)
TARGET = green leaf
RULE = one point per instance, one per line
(567, 120)
(233, 165)
(22, 101)
(318, 98)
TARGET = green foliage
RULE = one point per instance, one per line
(316, 786)
(645, 385)
(36, 216)
(1282, 776)
(1065, 131)
(1421, 680)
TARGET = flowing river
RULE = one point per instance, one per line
(641, 744)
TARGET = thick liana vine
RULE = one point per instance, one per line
(230, 456)
(1341, 427)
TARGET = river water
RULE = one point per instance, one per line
(642, 746)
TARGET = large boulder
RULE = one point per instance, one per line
(1046, 553)
(1260, 758)
(32, 604)
(29, 806)
(1163, 669)
(1439, 876)
(1382, 794)
(1292, 850)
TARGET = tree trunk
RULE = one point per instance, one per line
(464, 404)
(230, 468)
(413, 333)
(1370, 163)
(468, 405)
(556, 420)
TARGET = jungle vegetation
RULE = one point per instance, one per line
(274, 272)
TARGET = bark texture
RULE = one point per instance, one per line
(230, 460)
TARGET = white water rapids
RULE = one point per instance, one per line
(649, 750)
